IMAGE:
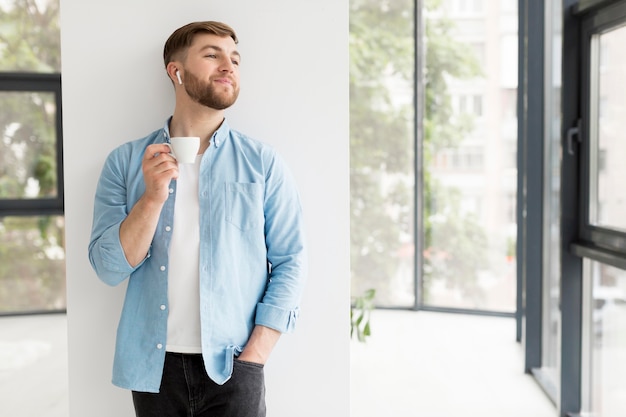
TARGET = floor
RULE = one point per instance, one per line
(33, 366)
(414, 364)
(442, 365)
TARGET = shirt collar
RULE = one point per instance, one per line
(220, 135)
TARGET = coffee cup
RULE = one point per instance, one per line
(184, 148)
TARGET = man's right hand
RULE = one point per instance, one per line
(137, 230)
(159, 169)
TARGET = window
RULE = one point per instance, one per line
(607, 203)
(32, 267)
(601, 233)
(604, 199)
(469, 239)
(548, 373)
(469, 104)
(382, 157)
(605, 345)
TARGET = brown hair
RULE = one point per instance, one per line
(181, 39)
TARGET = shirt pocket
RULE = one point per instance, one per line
(244, 205)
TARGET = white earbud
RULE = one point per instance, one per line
(178, 76)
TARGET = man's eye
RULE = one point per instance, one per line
(235, 62)
(211, 56)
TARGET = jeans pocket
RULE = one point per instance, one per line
(249, 364)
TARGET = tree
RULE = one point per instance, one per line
(30, 39)
(454, 242)
(381, 52)
(381, 143)
(32, 268)
(29, 42)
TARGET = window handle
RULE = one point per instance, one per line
(573, 132)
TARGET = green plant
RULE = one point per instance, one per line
(360, 315)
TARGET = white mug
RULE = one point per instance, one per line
(184, 148)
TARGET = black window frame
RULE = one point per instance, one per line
(37, 82)
(598, 243)
(580, 239)
(20, 82)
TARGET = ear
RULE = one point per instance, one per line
(171, 70)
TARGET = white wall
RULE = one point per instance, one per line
(294, 95)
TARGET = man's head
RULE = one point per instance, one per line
(202, 58)
(178, 43)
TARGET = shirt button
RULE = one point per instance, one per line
(167, 228)
(171, 190)
(162, 268)
(159, 346)
(162, 306)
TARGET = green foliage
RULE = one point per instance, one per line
(380, 135)
(29, 36)
(360, 315)
(29, 42)
(32, 259)
(28, 143)
(457, 251)
(32, 271)
(445, 58)
(381, 143)
(454, 241)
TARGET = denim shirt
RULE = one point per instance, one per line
(252, 254)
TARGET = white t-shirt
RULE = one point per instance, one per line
(183, 321)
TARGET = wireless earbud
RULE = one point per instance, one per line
(178, 76)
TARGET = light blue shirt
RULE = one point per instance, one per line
(252, 254)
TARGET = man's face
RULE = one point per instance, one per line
(211, 75)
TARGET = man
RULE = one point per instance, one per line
(213, 251)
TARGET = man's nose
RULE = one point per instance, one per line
(227, 65)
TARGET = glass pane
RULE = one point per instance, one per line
(381, 150)
(32, 264)
(30, 36)
(608, 100)
(28, 145)
(551, 338)
(607, 344)
(469, 151)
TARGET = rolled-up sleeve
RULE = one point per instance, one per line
(277, 318)
(106, 254)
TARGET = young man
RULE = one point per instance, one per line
(213, 251)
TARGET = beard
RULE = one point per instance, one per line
(207, 94)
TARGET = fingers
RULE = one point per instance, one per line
(159, 168)
(157, 157)
(154, 150)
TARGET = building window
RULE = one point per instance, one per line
(465, 7)
(469, 104)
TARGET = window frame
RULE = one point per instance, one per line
(37, 82)
(580, 241)
(599, 243)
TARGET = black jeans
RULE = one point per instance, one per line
(187, 391)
